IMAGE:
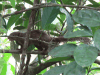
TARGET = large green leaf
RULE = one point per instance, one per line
(78, 33)
(12, 20)
(97, 39)
(56, 70)
(63, 51)
(85, 55)
(49, 14)
(74, 69)
(88, 17)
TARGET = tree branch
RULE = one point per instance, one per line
(31, 22)
(42, 5)
(19, 52)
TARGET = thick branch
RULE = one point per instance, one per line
(41, 67)
(31, 22)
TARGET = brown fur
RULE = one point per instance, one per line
(40, 35)
(35, 34)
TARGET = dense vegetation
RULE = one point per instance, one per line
(67, 18)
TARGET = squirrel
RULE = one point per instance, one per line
(42, 36)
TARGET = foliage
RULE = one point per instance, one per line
(74, 58)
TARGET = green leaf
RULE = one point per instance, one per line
(85, 55)
(88, 17)
(63, 51)
(60, 20)
(31, 47)
(56, 70)
(69, 20)
(6, 56)
(6, 6)
(95, 68)
(74, 69)
(94, 4)
(12, 20)
(26, 15)
(50, 27)
(13, 69)
(4, 70)
(19, 27)
(19, 7)
(2, 61)
(49, 14)
(62, 17)
(18, 1)
(97, 39)
(59, 59)
(26, 23)
(19, 21)
(28, 1)
(12, 3)
(2, 24)
(2, 21)
(94, 29)
(78, 33)
(68, 2)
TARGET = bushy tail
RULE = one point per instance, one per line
(82, 39)
(59, 39)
